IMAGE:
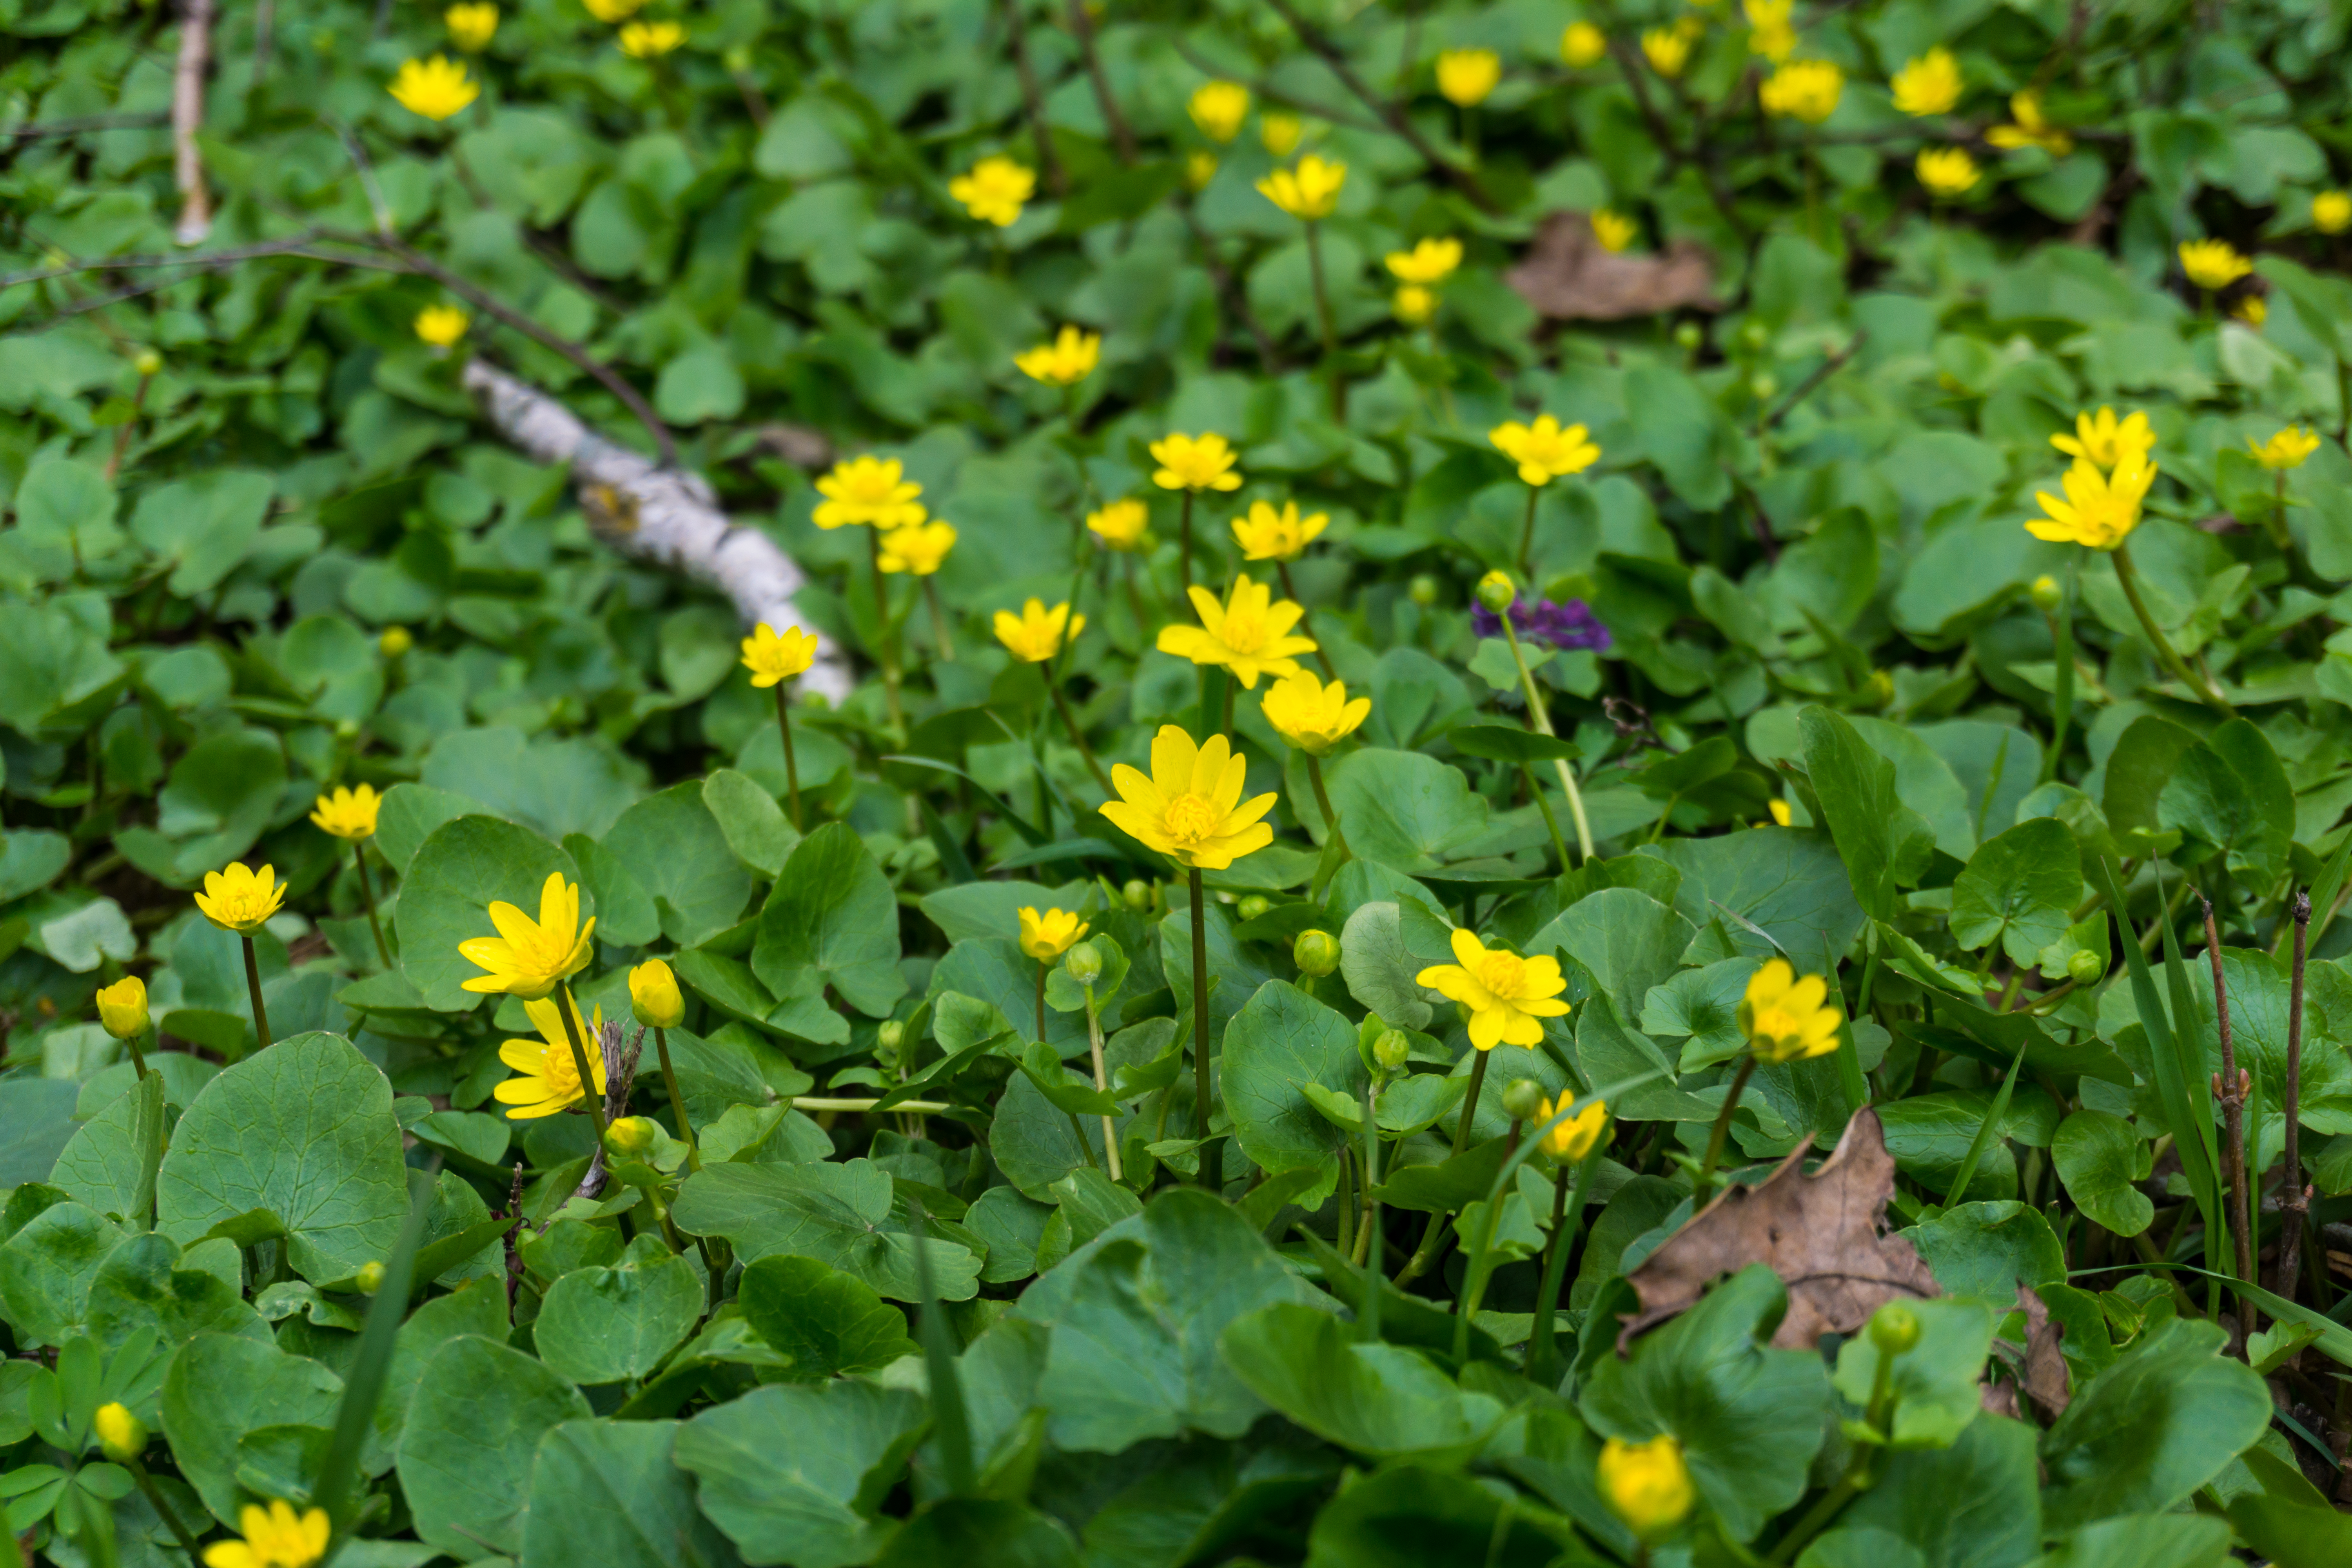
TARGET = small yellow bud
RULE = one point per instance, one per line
(891, 1035)
(121, 1436)
(629, 1137)
(122, 1008)
(395, 641)
(369, 1278)
(1895, 1328)
(1421, 590)
(2046, 593)
(1495, 592)
(1253, 905)
(2084, 967)
(1647, 1485)
(149, 363)
(1316, 952)
(654, 996)
(1136, 895)
(1084, 963)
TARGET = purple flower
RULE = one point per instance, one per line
(1565, 626)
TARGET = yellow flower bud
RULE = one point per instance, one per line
(395, 641)
(369, 1278)
(1894, 1328)
(1494, 591)
(1647, 1485)
(121, 1436)
(629, 1137)
(122, 1008)
(654, 996)
(1316, 952)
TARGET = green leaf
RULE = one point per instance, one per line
(2102, 1161)
(841, 1214)
(143, 1286)
(1281, 1040)
(1379, 967)
(2021, 887)
(1972, 1502)
(1404, 810)
(2182, 1539)
(462, 867)
(2159, 1423)
(474, 1425)
(305, 1132)
(797, 1473)
(828, 1322)
(832, 920)
(220, 1390)
(1936, 1382)
(1626, 940)
(1380, 1400)
(2282, 1517)
(2138, 770)
(111, 1163)
(1884, 843)
(749, 819)
(2230, 793)
(204, 524)
(613, 1325)
(407, 816)
(47, 1269)
(606, 1493)
(1033, 1143)
(673, 844)
(1415, 1515)
(1986, 1250)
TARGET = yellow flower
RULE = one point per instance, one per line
(1545, 450)
(1069, 359)
(994, 190)
(1507, 995)
(1200, 168)
(395, 641)
(772, 657)
(349, 813)
(1930, 84)
(1466, 75)
(917, 551)
(1647, 1484)
(651, 40)
(472, 25)
(1803, 90)
(610, 11)
(1782, 816)
(1270, 535)
(548, 1080)
(275, 1537)
(1786, 1018)
(1431, 261)
(1120, 524)
(240, 898)
(1414, 304)
(1582, 44)
(436, 89)
(654, 996)
(2251, 310)
(1218, 107)
(122, 1008)
(122, 1434)
(2331, 212)
(1667, 50)
(1280, 130)
(2212, 263)
(2099, 510)
(1769, 33)
(1249, 634)
(2104, 439)
(1574, 1138)
(1049, 936)
(527, 957)
(1312, 716)
(2287, 449)
(1614, 230)
(1191, 807)
(1203, 462)
(1037, 633)
(2032, 129)
(1946, 172)
(441, 325)
(868, 489)
(1309, 192)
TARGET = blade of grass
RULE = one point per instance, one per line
(948, 1419)
(2190, 1054)
(2323, 896)
(1983, 1140)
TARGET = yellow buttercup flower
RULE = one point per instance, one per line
(1249, 634)
(1037, 633)
(1218, 107)
(1928, 85)
(1545, 450)
(1466, 75)
(1573, 1139)
(1785, 1018)
(2104, 439)
(1121, 524)
(1782, 816)
(530, 958)
(1309, 192)
(995, 190)
(472, 25)
(1946, 172)
(651, 40)
(240, 898)
(1582, 44)
(1069, 359)
(441, 325)
(275, 1537)
(1203, 462)
(2252, 310)
(1279, 131)
(122, 1008)
(1190, 808)
(1508, 996)
(1614, 230)
(436, 89)
(2287, 449)
(1429, 261)
(2212, 264)
(610, 11)
(1270, 535)
(547, 1079)
(771, 655)
(122, 1434)
(2032, 129)
(2331, 212)
(1047, 936)
(349, 813)
(1200, 168)
(1667, 50)
(2100, 509)
(1311, 716)
(916, 551)
(1769, 32)
(654, 996)
(1413, 305)
(1647, 1485)
(1803, 90)
(868, 489)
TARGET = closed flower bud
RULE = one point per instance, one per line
(1392, 1050)
(1253, 906)
(122, 1434)
(892, 1035)
(1877, 691)
(654, 996)
(1316, 952)
(1494, 591)
(2084, 967)
(1647, 1485)
(122, 1008)
(1763, 384)
(369, 1278)
(1084, 963)
(1687, 337)
(1523, 1098)
(1894, 1328)
(2047, 594)
(1755, 335)
(629, 1137)
(1421, 590)
(395, 641)
(149, 363)
(1136, 895)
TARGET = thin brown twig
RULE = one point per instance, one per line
(1828, 367)
(1082, 26)
(2230, 1091)
(188, 259)
(1033, 103)
(80, 125)
(2295, 1198)
(188, 118)
(1389, 113)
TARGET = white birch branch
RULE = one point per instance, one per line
(664, 515)
(188, 118)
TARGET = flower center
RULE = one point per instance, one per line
(555, 1066)
(1776, 1024)
(1244, 631)
(1504, 974)
(1189, 819)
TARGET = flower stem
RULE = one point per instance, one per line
(1528, 539)
(1567, 1220)
(1184, 537)
(1041, 999)
(1541, 714)
(1323, 316)
(1558, 845)
(1102, 1081)
(1070, 722)
(1470, 1100)
(939, 622)
(792, 763)
(677, 1101)
(1705, 1186)
(1323, 799)
(2128, 575)
(885, 644)
(1212, 1153)
(570, 1010)
(154, 1496)
(367, 900)
(253, 983)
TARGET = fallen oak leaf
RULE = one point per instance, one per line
(2045, 1376)
(1824, 1235)
(1569, 276)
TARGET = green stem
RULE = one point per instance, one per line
(1567, 1220)
(594, 1098)
(1070, 722)
(367, 900)
(1470, 1100)
(1542, 717)
(1102, 1082)
(1184, 537)
(1527, 537)
(1714, 1139)
(1323, 316)
(1552, 823)
(1212, 1154)
(939, 622)
(677, 1101)
(154, 1495)
(792, 763)
(253, 983)
(886, 644)
(1323, 801)
(2128, 575)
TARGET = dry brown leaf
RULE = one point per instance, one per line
(2045, 1364)
(1569, 276)
(1999, 1399)
(1824, 1235)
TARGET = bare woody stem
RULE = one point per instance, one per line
(677, 1101)
(1070, 722)
(2128, 575)
(2228, 1090)
(253, 983)
(1705, 1186)
(367, 900)
(195, 219)
(792, 763)
(2295, 1198)
(1212, 1153)
(589, 1093)
(1081, 27)
(1016, 32)
(1540, 712)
